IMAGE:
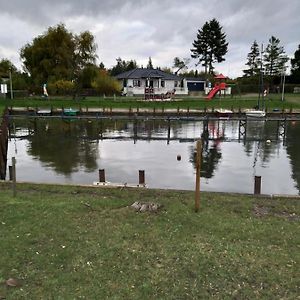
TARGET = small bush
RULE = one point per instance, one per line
(61, 87)
(105, 84)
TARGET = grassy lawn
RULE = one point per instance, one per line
(63, 242)
(246, 101)
(2, 107)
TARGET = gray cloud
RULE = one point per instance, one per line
(161, 29)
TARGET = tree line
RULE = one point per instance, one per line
(67, 61)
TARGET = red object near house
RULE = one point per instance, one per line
(219, 85)
(220, 76)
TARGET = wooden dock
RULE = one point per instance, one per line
(148, 113)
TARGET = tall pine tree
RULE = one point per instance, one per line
(210, 46)
(253, 61)
(295, 70)
(150, 65)
(274, 58)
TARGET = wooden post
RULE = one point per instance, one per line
(198, 168)
(257, 185)
(101, 175)
(141, 177)
(169, 131)
(10, 173)
(14, 177)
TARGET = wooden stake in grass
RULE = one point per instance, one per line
(14, 177)
(198, 167)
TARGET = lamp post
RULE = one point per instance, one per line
(11, 90)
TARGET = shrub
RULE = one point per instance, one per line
(61, 87)
(105, 84)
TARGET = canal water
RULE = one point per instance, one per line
(72, 151)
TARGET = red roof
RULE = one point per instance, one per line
(220, 76)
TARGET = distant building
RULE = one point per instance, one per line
(135, 82)
(195, 85)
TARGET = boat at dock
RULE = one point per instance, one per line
(70, 111)
(44, 112)
(252, 113)
(221, 113)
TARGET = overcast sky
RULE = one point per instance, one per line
(161, 29)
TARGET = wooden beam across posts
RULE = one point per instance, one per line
(198, 168)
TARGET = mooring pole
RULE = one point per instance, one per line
(198, 168)
(14, 177)
(257, 185)
(141, 177)
(169, 131)
(101, 175)
(10, 173)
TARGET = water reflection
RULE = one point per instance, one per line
(67, 150)
(59, 145)
(293, 150)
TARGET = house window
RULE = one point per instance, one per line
(175, 83)
(136, 83)
(162, 83)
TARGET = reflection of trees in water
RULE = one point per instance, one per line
(67, 146)
(211, 156)
(63, 145)
(211, 153)
(257, 134)
(293, 149)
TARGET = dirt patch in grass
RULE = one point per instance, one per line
(261, 211)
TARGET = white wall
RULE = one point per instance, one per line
(169, 86)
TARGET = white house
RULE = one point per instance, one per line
(135, 82)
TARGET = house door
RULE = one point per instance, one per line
(151, 83)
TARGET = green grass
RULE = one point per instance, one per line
(247, 101)
(2, 108)
(236, 247)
